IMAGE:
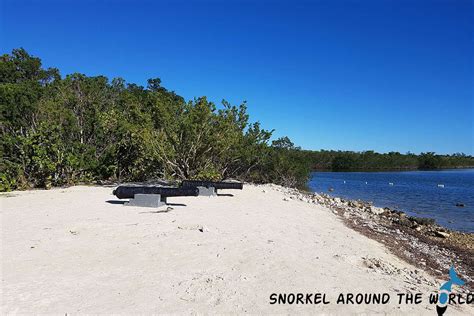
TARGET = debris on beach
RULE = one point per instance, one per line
(420, 241)
(442, 234)
(203, 229)
(199, 228)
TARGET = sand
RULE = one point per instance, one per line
(78, 250)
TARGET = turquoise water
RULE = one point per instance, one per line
(432, 194)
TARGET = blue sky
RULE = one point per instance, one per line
(344, 75)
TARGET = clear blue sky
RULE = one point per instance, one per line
(350, 75)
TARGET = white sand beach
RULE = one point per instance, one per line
(70, 251)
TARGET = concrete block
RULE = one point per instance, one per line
(203, 191)
(147, 200)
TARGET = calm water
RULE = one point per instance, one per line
(414, 192)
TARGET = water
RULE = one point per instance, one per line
(418, 193)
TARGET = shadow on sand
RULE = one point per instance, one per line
(120, 202)
(155, 212)
(116, 202)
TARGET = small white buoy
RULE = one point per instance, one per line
(365, 182)
(440, 185)
(344, 181)
(390, 183)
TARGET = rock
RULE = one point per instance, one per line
(331, 189)
(405, 222)
(354, 204)
(441, 234)
(460, 204)
(422, 220)
(285, 199)
(203, 229)
(376, 210)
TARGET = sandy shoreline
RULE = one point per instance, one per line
(419, 241)
(71, 251)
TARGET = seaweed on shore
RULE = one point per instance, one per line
(417, 240)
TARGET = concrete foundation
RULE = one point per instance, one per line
(147, 200)
(203, 191)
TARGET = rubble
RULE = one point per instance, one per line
(419, 241)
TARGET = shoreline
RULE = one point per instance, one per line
(393, 170)
(412, 215)
(227, 253)
(417, 240)
(442, 195)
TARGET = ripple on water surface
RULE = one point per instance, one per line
(446, 195)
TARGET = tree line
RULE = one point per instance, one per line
(392, 161)
(79, 129)
(59, 131)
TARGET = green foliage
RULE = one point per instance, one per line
(8, 178)
(372, 161)
(61, 131)
(343, 162)
(210, 174)
(288, 166)
(283, 143)
(429, 161)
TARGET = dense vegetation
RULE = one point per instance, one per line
(372, 161)
(79, 129)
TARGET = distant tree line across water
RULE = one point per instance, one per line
(372, 161)
(78, 129)
(332, 160)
